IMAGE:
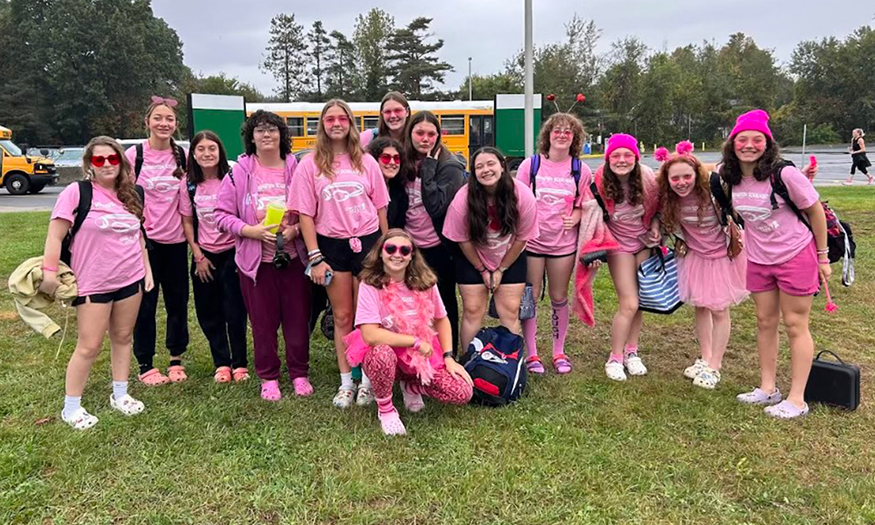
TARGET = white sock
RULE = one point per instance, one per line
(366, 381)
(346, 381)
(119, 389)
(71, 404)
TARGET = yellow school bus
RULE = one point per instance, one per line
(466, 125)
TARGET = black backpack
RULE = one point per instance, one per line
(495, 360)
(86, 195)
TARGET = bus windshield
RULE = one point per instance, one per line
(11, 148)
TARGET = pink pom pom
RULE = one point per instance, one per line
(661, 154)
(831, 307)
(685, 147)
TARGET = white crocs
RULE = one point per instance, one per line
(707, 378)
(614, 370)
(343, 398)
(127, 405)
(364, 396)
(80, 419)
(634, 365)
(693, 370)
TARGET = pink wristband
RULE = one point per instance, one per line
(49, 268)
(417, 343)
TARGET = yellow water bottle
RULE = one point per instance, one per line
(274, 215)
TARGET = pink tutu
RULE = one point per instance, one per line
(712, 283)
(411, 362)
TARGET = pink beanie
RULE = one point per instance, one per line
(753, 120)
(622, 140)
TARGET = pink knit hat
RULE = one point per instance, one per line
(753, 120)
(622, 140)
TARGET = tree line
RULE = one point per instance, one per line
(66, 78)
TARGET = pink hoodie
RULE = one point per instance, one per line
(236, 208)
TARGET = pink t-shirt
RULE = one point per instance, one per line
(163, 219)
(269, 185)
(555, 191)
(366, 137)
(418, 224)
(626, 224)
(773, 236)
(345, 206)
(106, 252)
(491, 254)
(209, 237)
(704, 237)
(369, 309)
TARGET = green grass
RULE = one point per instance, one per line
(578, 449)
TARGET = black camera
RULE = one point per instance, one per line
(281, 259)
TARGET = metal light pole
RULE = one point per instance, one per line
(529, 112)
(470, 82)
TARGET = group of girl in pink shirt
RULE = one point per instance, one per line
(392, 231)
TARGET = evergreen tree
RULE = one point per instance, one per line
(342, 79)
(319, 45)
(414, 66)
(286, 56)
(371, 37)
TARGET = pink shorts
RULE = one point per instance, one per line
(799, 276)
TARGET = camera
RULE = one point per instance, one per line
(281, 259)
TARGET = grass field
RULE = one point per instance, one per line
(576, 449)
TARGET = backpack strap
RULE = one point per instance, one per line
(533, 171)
(598, 198)
(575, 172)
(724, 200)
(138, 161)
(180, 153)
(779, 188)
(86, 194)
(192, 190)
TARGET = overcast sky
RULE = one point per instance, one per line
(230, 35)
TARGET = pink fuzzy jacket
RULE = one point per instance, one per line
(595, 236)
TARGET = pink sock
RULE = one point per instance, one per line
(617, 358)
(384, 405)
(559, 321)
(530, 332)
(630, 350)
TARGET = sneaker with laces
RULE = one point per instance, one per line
(757, 396)
(343, 398)
(693, 370)
(364, 396)
(615, 371)
(634, 365)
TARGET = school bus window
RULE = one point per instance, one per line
(312, 124)
(453, 125)
(296, 126)
(371, 123)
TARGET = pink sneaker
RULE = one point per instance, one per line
(302, 386)
(391, 423)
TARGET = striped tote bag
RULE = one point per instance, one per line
(658, 283)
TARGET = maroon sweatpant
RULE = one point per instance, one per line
(279, 297)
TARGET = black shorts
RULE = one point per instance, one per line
(467, 274)
(111, 297)
(340, 256)
(545, 256)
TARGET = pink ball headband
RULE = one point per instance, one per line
(684, 147)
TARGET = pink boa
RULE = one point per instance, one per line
(595, 236)
(410, 361)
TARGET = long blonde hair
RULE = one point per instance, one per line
(323, 155)
(124, 182)
(418, 275)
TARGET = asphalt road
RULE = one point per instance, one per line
(834, 166)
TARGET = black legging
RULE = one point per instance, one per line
(441, 261)
(170, 272)
(861, 162)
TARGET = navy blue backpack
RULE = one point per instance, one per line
(495, 361)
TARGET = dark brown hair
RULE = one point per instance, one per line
(272, 119)
(411, 154)
(418, 275)
(504, 200)
(195, 173)
(382, 127)
(730, 169)
(614, 187)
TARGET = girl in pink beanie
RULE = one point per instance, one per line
(786, 256)
(630, 195)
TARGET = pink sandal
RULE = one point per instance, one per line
(534, 365)
(302, 386)
(176, 374)
(153, 377)
(561, 364)
(270, 390)
(223, 374)
(240, 374)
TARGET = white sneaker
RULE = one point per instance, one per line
(693, 370)
(614, 370)
(343, 398)
(364, 396)
(634, 365)
(127, 405)
(80, 419)
(707, 378)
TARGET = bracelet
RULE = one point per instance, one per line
(823, 252)
(450, 355)
(503, 269)
(316, 262)
(417, 343)
(481, 269)
(821, 261)
(199, 259)
(311, 253)
(50, 268)
(315, 256)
